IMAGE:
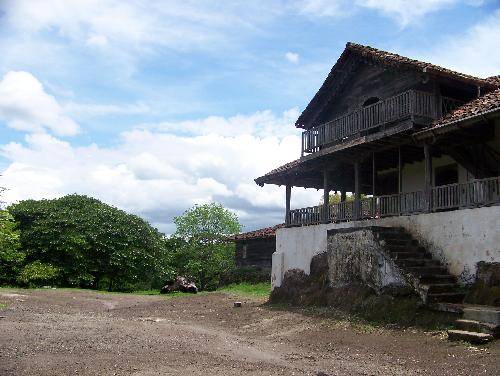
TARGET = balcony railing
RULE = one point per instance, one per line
(399, 107)
(474, 193)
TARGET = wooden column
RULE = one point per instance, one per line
(343, 195)
(357, 191)
(438, 100)
(288, 195)
(400, 171)
(428, 177)
(326, 197)
(374, 174)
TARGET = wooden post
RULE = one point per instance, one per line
(326, 197)
(428, 177)
(374, 175)
(288, 194)
(400, 170)
(438, 101)
(357, 191)
(400, 181)
(343, 195)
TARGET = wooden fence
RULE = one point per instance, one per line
(474, 193)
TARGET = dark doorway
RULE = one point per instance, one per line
(445, 175)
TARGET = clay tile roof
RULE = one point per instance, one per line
(495, 80)
(283, 168)
(390, 58)
(268, 232)
(482, 105)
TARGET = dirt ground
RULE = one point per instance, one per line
(72, 332)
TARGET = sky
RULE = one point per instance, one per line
(155, 106)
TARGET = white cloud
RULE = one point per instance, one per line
(92, 109)
(292, 57)
(403, 12)
(158, 174)
(261, 124)
(135, 24)
(476, 51)
(325, 8)
(97, 41)
(25, 106)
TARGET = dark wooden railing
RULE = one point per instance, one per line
(474, 193)
(407, 104)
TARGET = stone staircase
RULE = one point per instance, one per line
(479, 324)
(429, 277)
(438, 288)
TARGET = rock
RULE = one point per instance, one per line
(237, 304)
(180, 284)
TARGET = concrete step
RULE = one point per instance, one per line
(437, 278)
(424, 271)
(400, 242)
(477, 326)
(433, 288)
(417, 262)
(487, 314)
(408, 255)
(472, 337)
(448, 297)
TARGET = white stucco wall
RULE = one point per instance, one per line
(459, 238)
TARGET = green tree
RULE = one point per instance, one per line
(11, 258)
(202, 250)
(91, 244)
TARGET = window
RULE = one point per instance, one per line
(371, 100)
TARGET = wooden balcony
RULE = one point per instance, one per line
(474, 193)
(408, 105)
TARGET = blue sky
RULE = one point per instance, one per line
(154, 106)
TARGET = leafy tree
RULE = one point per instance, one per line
(91, 244)
(11, 258)
(201, 249)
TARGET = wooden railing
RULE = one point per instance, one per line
(474, 193)
(407, 104)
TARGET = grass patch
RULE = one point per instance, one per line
(3, 305)
(261, 289)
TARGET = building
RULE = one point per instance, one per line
(254, 249)
(419, 146)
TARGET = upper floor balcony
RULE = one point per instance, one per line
(410, 104)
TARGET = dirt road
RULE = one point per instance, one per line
(66, 332)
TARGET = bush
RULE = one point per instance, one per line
(38, 274)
